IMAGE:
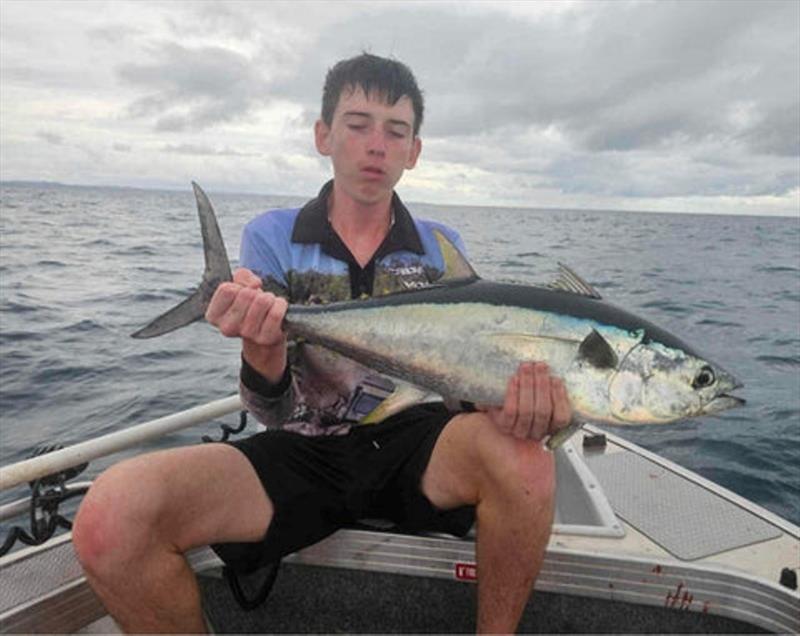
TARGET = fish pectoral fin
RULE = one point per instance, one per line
(404, 396)
(597, 352)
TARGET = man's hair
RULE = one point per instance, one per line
(386, 78)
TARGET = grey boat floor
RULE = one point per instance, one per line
(316, 599)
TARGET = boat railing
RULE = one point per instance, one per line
(29, 470)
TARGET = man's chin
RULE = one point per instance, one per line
(371, 192)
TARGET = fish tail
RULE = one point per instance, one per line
(217, 270)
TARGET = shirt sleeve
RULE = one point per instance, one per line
(260, 255)
(269, 403)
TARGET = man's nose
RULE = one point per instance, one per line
(376, 144)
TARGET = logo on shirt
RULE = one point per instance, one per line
(407, 275)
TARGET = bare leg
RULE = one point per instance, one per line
(141, 515)
(512, 484)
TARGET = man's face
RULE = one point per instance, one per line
(370, 144)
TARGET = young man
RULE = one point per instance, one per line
(315, 470)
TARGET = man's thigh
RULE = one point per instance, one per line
(191, 496)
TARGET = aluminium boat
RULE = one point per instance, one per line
(639, 545)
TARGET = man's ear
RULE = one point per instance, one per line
(415, 150)
(322, 137)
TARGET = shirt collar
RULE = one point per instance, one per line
(312, 226)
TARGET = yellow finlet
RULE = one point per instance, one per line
(404, 396)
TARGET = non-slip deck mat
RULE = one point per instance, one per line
(682, 517)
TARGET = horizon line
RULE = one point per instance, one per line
(45, 182)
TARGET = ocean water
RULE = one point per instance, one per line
(81, 268)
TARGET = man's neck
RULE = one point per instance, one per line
(361, 226)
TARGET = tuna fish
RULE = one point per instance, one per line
(464, 337)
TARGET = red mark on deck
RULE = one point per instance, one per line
(680, 598)
(656, 570)
(466, 572)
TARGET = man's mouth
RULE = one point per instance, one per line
(373, 170)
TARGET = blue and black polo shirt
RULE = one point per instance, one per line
(298, 255)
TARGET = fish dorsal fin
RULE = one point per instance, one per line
(456, 266)
(567, 280)
(597, 352)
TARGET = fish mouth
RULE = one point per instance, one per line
(726, 400)
(723, 402)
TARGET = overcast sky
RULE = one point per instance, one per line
(668, 106)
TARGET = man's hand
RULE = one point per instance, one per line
(536, 404)
(241, 309)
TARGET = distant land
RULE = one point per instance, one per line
(58, 184)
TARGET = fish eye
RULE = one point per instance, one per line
(705, 377)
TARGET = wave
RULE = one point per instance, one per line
(777, 269)
(530, 255)
(50, 263)
(137, 250)
(713, 322)
(667, 306)
(83, 326)
(780, 362)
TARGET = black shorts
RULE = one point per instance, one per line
(320, 484)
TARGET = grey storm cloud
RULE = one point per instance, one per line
(50, 137)
(652, 175)
(634, 99)
(619, 76)
(200, 150)
(193, 88)
(642, 94)
(777, 133)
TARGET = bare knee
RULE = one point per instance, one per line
(112, 526)
(520, 469)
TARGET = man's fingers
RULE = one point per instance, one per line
(221, 301)
(543, 403)
(244, 277)
(258, 309)
(230, 323)
(271, 329)
(510, 406)
(536, 403)
(525, 402)
(562, 410)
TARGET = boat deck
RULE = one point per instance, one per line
(608, 567)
